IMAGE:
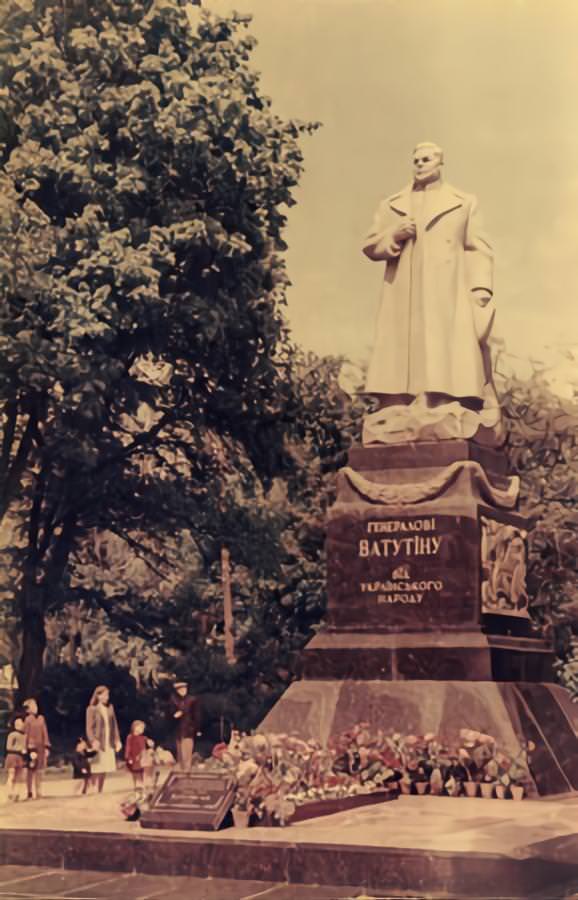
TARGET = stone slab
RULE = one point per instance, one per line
(128, 887)
(40, 882)
(50, 883)
(218, 889)
(10, 874)
(195, 800)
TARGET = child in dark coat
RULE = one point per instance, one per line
(15, 761)
(81, 765)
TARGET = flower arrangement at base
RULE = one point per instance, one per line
(278, 775)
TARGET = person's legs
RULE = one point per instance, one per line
(99, 781)
(30, 784)
(18, 780)
(38, 781)
(10, 779)
(185, 754)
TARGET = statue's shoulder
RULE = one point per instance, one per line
(402, 194)
(463, 196)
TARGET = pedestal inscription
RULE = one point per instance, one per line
(399, 572)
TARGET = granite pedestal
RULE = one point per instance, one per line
(427, 625)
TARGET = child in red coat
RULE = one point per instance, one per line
(139, 754)
(37, 747)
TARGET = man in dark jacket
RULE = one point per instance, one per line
(185, 713)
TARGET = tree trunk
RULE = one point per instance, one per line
(227, 606)
(33, 638)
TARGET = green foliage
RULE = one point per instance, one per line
(67, 692)
(141, 278)
(542, 449)
(276, 543)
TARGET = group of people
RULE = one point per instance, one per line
(28, 744)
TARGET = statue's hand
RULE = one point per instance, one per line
(482, 296)
(405, 231)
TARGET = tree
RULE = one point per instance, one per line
(542, 448)
(141, 283)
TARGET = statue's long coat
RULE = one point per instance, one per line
(430, 331)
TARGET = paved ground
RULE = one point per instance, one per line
(33, 883)
(424, 823)
(461, 825)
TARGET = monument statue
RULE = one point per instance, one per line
(430, 369)
(428, 625)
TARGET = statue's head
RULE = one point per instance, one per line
(428, 159)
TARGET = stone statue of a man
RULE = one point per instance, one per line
(437, 306)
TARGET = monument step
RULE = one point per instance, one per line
(445, 656)
(513, 713)
(419, 846)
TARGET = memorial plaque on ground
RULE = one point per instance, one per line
(194, 801)
(412, 572)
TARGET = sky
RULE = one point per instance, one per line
(495, 83)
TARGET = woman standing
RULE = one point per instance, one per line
(37, 747)
(103, 734)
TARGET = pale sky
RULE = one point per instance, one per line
(494, 82)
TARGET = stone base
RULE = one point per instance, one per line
(435, 847)
(511, 712)
(457, 656)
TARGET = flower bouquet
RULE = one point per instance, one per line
(130, 807)
(475, 751)
(514, 772)
(282, 778)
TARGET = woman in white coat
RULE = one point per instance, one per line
(102, 734)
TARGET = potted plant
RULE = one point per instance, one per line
(241, 815)
(516, 776)
(471, 780)
(452, 786)
(476, 750)
(421, 776)
(455, 775)
(434, 762)
(489, 779)
(405, 783)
